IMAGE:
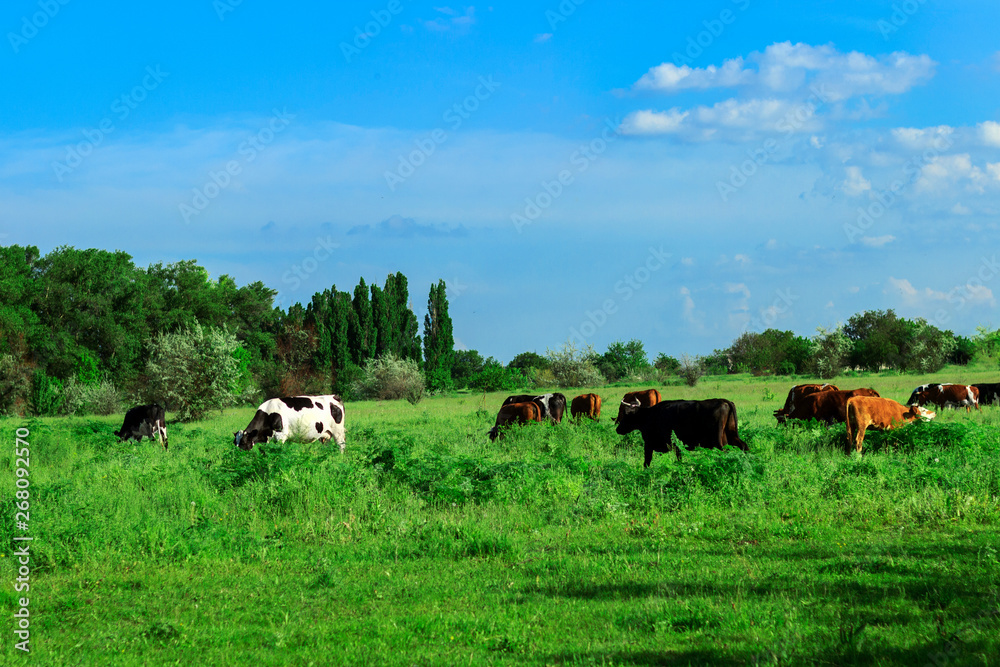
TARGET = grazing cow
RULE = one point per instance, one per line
(882, 414)
(946, 395)
(796, 393)
(634, 400)
(515, 413)
(553, 406)
(827, 406)
(586, 405)
(309, 417)
(989, 393)
(144, 421)
(708, 423)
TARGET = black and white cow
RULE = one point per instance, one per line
(553, 406)
(307, 417)
(144, 421)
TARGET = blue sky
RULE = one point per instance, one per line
(674, 172)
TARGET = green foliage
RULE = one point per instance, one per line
(666, 364)
(691, 369)
(439, 341)
(193, 371)
(527, 360)
(832, 351)
(622, 360)
(87, 372)
(47, 396)
(573, 367)
(495, 377)
(390, 378)
(965, 349)
(467, 363)
(15, 383)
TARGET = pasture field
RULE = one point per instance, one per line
(425, 544)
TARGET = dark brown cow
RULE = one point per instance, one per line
(553, 406)
(586, 405)
(634, 400)
(827, 406)
(989, 393)
(946, 396)
(797, 392)
(515, 413)
(882, 414)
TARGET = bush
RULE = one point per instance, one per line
(46, 395)
(574, 368)
(691, 369)
(390, 378)
(495, 377)
(15, 383)
(193, 371)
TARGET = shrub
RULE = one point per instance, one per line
(495, 377)
(193, 371)
(46, 395)
(15, 383)
(574, 368)
(390, 378)
(691, 369)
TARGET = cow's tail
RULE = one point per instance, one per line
(732, 436)
(850, 410)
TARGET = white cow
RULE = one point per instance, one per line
(308, 417)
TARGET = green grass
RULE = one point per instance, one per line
(426, 544)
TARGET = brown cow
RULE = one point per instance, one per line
(634, 400)
(828, 406)
(797, 392)
(586, 405)
(515, 413)
(946, 396)
(878, 413)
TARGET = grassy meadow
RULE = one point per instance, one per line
(425, 544)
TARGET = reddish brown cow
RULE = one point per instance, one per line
(634, 400)
(828, 406)
(515, 413)
(586, 405)
(882, 414)
(797, 392)
(946, 396)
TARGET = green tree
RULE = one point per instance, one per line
(193, 371)
(466, 364)
(666, 364)
(529, 360)
(361, 329)
(439, 343)
(832, 352)
(622, 360)
(574, 367)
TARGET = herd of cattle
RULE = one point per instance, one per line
(710, 423)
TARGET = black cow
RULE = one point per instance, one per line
(553, 406)
(144, 421)
(709, 423)
(989, 393)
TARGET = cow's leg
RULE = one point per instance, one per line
(860, 441)
(649, 457)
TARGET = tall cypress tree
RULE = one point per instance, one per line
(361, 332)
(439, 343)
(402, 321)
(380, 321)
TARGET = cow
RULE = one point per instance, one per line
(309, 417)
(709, 423)
(144, 421)
(586, 405)
(796, 393)
(882, 414)
(634, 400)
(553, 406)
(515, 413)
(827, 406)
(946, 396)
(989, 393)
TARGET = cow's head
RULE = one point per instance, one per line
(920, 397)
(627, 407)
(628, 419)
(245, 440)
(923, 413)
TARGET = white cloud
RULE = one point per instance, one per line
(742, 260)
(989, 133)
(738, 288)
(970, 294)
(855, 184)
(543, 37)
(454, 20)
(784, 67)
(945, 171)
(653, 122)
(732, 117)
(958, 209)
(919, 139)
(877, 241)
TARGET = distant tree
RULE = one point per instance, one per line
(193, 371)
(832, 352)
(877, 340)
(380, 321)
(573, 367)
(466, 364)
(390, 378)
(361, 338)
(622, 360)
(439, 342)
(965, 349)
(691, 369)
(526, 360)
(666, 364)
